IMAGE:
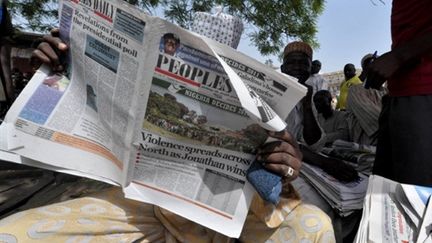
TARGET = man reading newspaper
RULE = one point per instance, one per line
(108, 217)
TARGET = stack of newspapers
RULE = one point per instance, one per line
(361, 156)
(395, 212)
(343, 197)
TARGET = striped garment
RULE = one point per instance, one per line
(363, 107)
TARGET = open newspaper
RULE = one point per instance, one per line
(395, 212)
(172, 117)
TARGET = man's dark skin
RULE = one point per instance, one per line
(365, 68)
(322, 100)
(349, 71)
(316, 67)
(298, 65)
(399, 59)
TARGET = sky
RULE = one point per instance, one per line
(347, 30)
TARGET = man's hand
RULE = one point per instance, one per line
(403, 57)
(282, 157)
(334, 167)
(308, 98)
(49, 51)
(340, 170)
(382, 69)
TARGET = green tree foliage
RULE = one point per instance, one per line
(35, 15)
(270, 24)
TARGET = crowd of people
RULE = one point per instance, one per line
(386, 106)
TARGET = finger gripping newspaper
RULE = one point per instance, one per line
(172, 117)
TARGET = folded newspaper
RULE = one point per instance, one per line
(395, 212)
(345, 198)
(170, 116)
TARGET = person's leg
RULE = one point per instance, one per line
(310, 223)
(410, 131)
(19, 183)
(305, 223)
(383, 153)
(106, 217)
(291, 220)
(103, 217)
(309, 195)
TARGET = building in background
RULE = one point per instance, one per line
(335, 79)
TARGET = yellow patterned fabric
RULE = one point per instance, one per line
(109, 217)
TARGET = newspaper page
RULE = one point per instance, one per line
(419, 209)
(383, 218)
(84, 120)
(198, 137)
(362, 231)
(417, 196)
(395, 212)
(425, 229)
(389, 224)
(404, 202)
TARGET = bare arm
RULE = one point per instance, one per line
(311, 129)
(399, 58)
(334, 167)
